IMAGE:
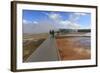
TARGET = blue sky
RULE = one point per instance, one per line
(74, 20)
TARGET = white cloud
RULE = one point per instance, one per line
(45, 13)
(58, 22)
(29, 22)
(35, 22)
(76, 16)
(54, 16)
(26, 21)
(68, 24)
(65, 22)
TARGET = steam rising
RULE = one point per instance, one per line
(56, 22)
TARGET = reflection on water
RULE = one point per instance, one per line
(86, 41)
(74, 47)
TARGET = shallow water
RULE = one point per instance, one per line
(74, 48)
(81, 41)
(86, 41)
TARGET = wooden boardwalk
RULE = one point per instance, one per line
(47, 51)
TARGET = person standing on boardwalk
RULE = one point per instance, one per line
(52, 33)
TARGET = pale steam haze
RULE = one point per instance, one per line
(43, 21)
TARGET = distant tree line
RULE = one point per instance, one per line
(73, 30)
(64, 31)
(84, 30)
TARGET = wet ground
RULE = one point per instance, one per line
(74, 48)
(63, 47)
